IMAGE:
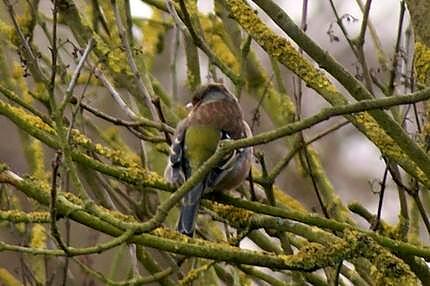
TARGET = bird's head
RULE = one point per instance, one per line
(210, 93)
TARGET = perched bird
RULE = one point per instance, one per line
(215, 115)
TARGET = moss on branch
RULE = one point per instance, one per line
(384, 130)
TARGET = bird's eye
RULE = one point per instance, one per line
(225, 135)
(196, 100)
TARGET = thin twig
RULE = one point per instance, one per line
(76, 74)
(142, 81)
(282, 163)
(114, 93)
(268, 185)
(382, 59)
(134, 281)
(256, 115)
(160, 113)
(414, 193)
(199, 41)
(375, 224)
(78, 107)
(175, 57)
(53, 203)
(396, 56)
(117, 121)
(34, 66)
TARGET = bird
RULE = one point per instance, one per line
(215, 116)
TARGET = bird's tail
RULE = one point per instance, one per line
(190, 207)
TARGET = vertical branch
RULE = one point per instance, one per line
(357, 45)
(54, 52)
(298, 96)
(396, 55)
(191, 53)
(380, 54)
(174, 60)
(53, 202)
(143, 83)
(374, 226)
(360, 47)
(57, 113)
(245, 48)
(129, 21)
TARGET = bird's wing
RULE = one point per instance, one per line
(174, 172)
(232, 164)
(200, 142)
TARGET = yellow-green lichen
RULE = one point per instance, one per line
(387, 145)
(39, 92)
(25, 23)
(112, 136)
(213, 34)
(174, 235)
(17, 216)
(194, 274)
(192, 80)
(401, 230)
(6, 30)
(422, 63)
(30, 119)
(315, 256)
(278, 47)
(153, 36)
(7, 279)
(139, 175)
(15, 204)
(237, 216)
(114, 56)
(170, 234)
(117, 215)
(282, 109)
(38, 241)
(112, 51)
(287, 200)
(17, 71)
(245, 280)
(387, 269)
(426, 127)
(38, 237)
(73, 198)
(118, 157)
(37, 163)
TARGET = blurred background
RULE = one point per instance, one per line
(353, 163)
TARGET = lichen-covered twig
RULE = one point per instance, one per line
(282, 50)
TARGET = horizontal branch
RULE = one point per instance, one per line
(71, 251)
(172, 241)
(355, 88)
(402, 248)
(377, 125)
(134, 281)
(16, 216)
(126, 172)
(168, 240)
(136, 123)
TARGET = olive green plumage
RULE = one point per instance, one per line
(215, 115)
